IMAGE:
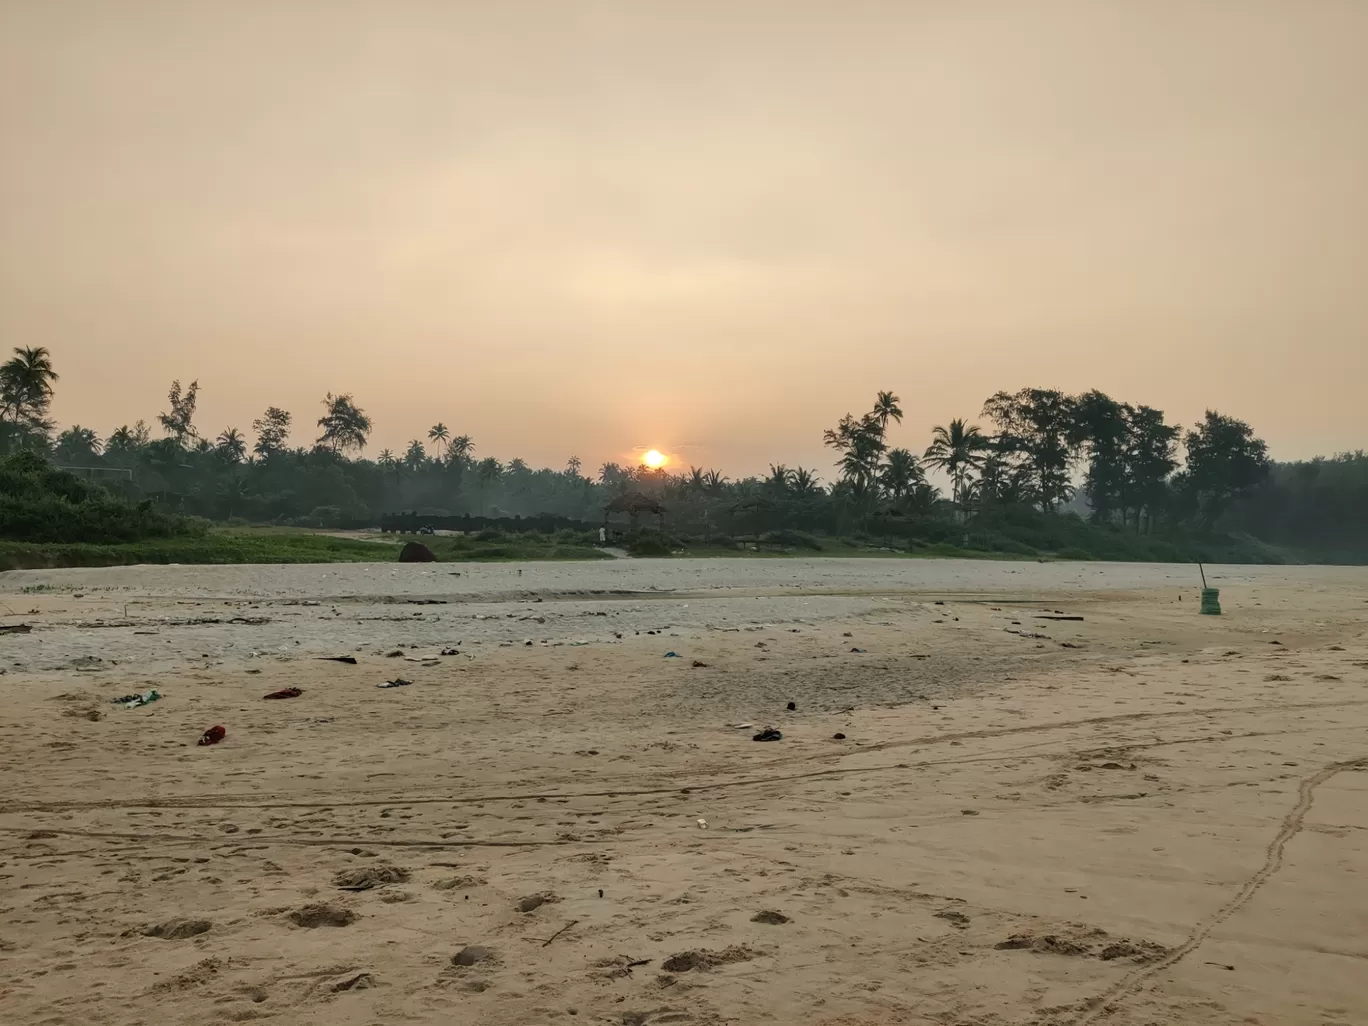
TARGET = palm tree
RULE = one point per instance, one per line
(861, 445)
(390, 462)
(438, 433)
(714, 481)
(885, 408)
(77, 444)
(415, 455)
(922, 498)
(460, 448)
(572, 466)
(231, 445)
(26, 385)
(120, 440)
(780, 477)
(804, 482)
(958, 450)
(611, 475)
(901, 473)
(489, 469)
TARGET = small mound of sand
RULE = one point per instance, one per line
(352, 981)
(312, 916)
(686, 961)
(198, 974)
(535, 901)
(472, 954)
(770, 918)
(1049, 944)
(453, 883)
(364, 878)
(1139, 952)
(178, 929)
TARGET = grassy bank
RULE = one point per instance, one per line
(288, 545)
(273, 545)
(1024, 536)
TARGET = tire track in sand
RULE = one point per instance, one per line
(1110, 999)
(281, 802)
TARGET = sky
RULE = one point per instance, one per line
(589, 227)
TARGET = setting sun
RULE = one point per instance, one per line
(654, 459)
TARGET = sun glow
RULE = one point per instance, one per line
(654, 459)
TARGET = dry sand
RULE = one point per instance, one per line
(1144, 817)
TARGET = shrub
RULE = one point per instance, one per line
(1073, 552)
(39, 503)
(650, 542)
(792, 539)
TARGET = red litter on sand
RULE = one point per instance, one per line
(213, 736)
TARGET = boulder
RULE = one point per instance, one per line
(416, 552)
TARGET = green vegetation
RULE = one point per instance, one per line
(39, 503)
(273, 545)
(1048, 475)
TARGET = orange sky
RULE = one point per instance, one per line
(709, 227)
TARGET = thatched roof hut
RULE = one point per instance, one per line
(634, 504)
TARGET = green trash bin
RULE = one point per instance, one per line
(1211, 601)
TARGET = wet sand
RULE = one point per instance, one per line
(1142, 817)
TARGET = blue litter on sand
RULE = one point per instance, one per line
(671, 655)
(857, 650)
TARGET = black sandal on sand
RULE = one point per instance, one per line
(768, 734)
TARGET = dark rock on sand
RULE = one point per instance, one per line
(416, 552)
(770, 918)
(470, 955)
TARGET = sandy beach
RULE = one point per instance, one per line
(1006, 794)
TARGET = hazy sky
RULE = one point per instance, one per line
(713, 227)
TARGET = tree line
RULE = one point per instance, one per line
(1120, 465)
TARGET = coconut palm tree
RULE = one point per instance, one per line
(415, 455)
(26, 384)
(886, 408)
(460, 448)
(438, 433)
(385, 458)
(231, 445)
(780, 478)
(959, 450)
(714, 481)
(120, 440)
(861, 446)
(77, 445)
(804, 482)
(573, 466)
(900, 474)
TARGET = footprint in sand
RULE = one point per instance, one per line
(313, 916)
